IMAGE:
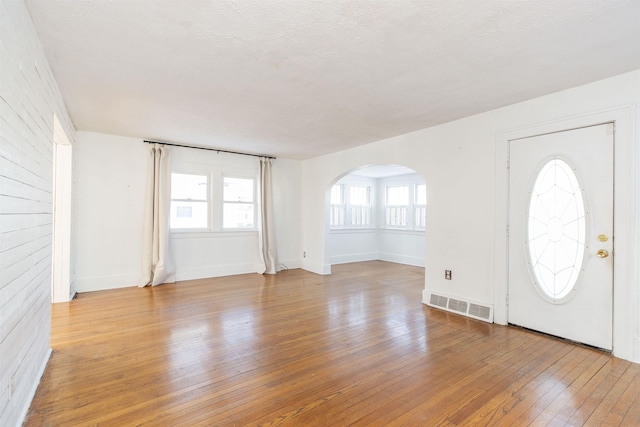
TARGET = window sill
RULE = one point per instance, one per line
(206, 234)
(403, 231)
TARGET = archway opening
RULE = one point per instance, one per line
(376, 213)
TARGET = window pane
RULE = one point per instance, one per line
(361, 215)
(192, 187)
(398, 196)
(238, 190)
(359, 196)
(237, 215)
(396, 216)
(188, 215)
(336, 195)
(337, 215)
(421, 194)
(419, 216)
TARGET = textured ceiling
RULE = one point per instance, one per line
(301, 78)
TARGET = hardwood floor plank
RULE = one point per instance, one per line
(632, 416)
(353, 348)
(571, 398)
(502, 400)
(614, 410)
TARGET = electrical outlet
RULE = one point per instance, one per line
(304, 254)
(447, 274)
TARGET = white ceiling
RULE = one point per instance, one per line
(301, 78)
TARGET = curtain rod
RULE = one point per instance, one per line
(208, 149)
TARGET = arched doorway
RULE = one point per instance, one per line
(376, 213)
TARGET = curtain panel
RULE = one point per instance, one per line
(157, 262)
(266, 229)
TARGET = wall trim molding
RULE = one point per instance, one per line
(345, 259)
(316, 267)
(402, 259)
(215, 271)
(102, 283)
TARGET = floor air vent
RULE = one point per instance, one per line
(480, 311)
(438, 301)
(457, 305)
(460, 306)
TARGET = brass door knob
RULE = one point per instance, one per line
(602, 253)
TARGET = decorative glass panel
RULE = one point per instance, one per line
(556, 229)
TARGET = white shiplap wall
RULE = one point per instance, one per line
(29, 99)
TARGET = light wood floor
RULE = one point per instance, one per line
(353, 348)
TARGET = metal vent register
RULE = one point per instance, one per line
(462, 306)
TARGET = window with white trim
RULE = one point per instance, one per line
(396, 206)
(189, 202)
(210, 201)
(238, 208)
(337, 214)
(351, 206)
(359, 206)
(420, 206)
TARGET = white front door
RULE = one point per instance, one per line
(561, 234)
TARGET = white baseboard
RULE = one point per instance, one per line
(373, 256)
(290, 264)
(215, 271)
(345, 259)
(102, 283)
(402, 259)
(316, 267)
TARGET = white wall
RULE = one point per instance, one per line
(402, 246)
(287, 195)
(458, 162)
(30, 101)
(110, 195)
(112, 175)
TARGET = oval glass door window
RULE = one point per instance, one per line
(556, 230)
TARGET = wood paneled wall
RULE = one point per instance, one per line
(29, 100)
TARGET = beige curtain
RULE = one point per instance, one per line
(157, 262)
(266, 229)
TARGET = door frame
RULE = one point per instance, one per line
(61, 261)
(625, 204)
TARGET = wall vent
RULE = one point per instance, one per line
(459, 305)
(438, 301)
(481, 311)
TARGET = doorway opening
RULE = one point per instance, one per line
(376, 213)
(62, 271)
